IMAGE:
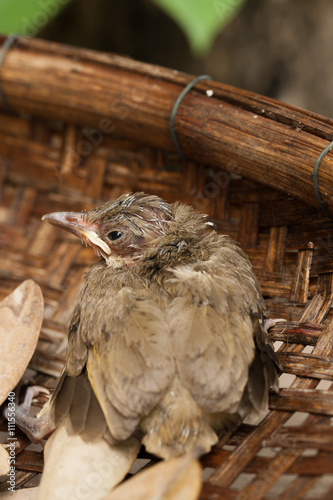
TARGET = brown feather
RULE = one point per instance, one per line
(136, 356)
(167, 326)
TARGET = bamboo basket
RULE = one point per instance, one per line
(82, 127)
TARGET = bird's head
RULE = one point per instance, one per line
(119, 230)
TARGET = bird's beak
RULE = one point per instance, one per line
(76, 223)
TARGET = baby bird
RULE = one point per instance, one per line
(165, 346)
(169, 327)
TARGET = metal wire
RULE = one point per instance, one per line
(175, 109)
(316, 181)
(9, 42)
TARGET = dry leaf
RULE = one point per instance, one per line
(4, 461)
(75, 468)
(21, 316)
(175, 479)
(23, 494)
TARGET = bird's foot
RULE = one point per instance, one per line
(269, 323)
(31, 393)
(35, 427)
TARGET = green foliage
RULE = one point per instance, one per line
(27, 17)
(201, 20)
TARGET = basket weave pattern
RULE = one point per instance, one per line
(50, 166)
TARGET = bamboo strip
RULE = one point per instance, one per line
(250, 135)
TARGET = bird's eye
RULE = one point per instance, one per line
(115, 235)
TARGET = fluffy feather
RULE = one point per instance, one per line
(167, 328)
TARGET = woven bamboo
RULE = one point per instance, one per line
(48, 165)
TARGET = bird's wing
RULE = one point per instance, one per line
(70, 386)
(130, 365)
(263, 375)
(81, 447)
(119, 334)
(212, 320)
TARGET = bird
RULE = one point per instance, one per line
(168, 340)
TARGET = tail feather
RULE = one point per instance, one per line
(177, 426)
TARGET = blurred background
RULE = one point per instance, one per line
(279, 48)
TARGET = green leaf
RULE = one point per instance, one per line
(27, 17)
(201, 20)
